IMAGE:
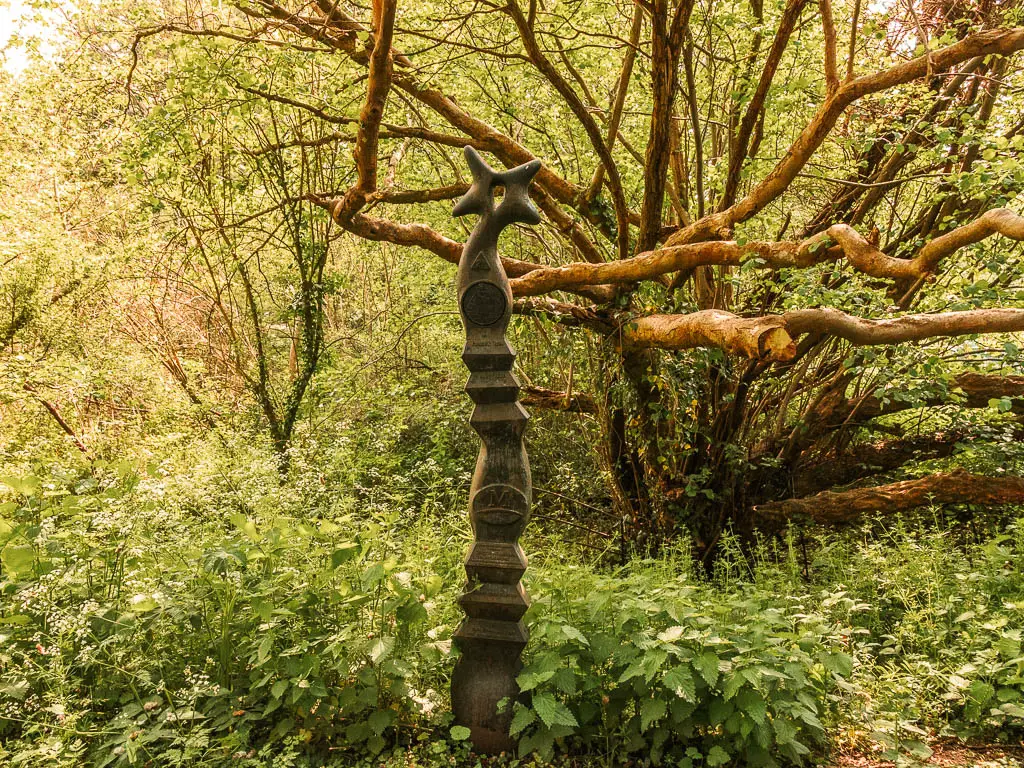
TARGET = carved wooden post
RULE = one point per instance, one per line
(492, 636)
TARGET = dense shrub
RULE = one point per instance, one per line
(143, 623)
(151, 637)
(652, 664)
(936, 625)
(138, 632)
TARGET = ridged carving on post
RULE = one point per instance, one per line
(492, 636)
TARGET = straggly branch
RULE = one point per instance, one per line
(372, 113)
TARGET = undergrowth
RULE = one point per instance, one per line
(151, 620)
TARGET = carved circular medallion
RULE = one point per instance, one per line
(500, 504)
(484, 303)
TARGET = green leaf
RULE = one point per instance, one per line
(565, 680)
(574, 634)
(553, 712)
(265, 647)
(17, 691)
(529, 680)
(1014, 710)
(716, 756)
(18, 559)
(707, 665)
(732, 684)
(651, 711)
(25, 485)
(381, 719)
(750, 702)
(633, 670)
(671, 634)
(1008, 647)
(245, 525)
(432, 585)
(143, 604)
(345, 552)
(916, 748)
(680, 681)
(381, 649)
(785, 731)
(524, 717)
(372, 576)
(719, 710)
(981, 692)
(277, 689)
(838, 663)
(460, 732)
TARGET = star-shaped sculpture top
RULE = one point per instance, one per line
(515, 205)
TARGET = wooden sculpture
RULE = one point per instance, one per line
(492, 636)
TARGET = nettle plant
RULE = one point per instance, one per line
(315, 641)
(987, 690)
(936, 628)
(652, 664)
(161, 638)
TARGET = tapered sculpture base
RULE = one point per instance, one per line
(484, 676)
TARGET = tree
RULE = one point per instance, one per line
(240, 282)
(64, 234)
(681, 144)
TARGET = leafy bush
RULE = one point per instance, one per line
(143, 623)
(650, 663)
(188, 645)
(936, 623)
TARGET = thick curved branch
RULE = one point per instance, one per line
(957, 487)
(652, 264)
(771, 337)
(378, 85)
(421, 236)
(1002, 42)
(1001, 220)
(862, 332)
(861, 253)
(759, 338)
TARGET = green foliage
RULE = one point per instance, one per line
(651, 663)
(167, 598)
(152, 617)
(149, 631)
(935, 627)
(194, 647)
